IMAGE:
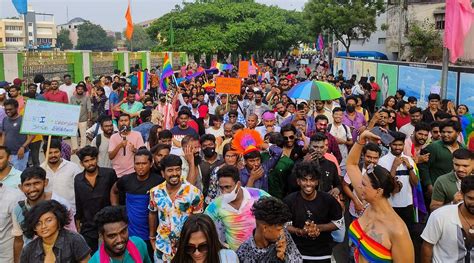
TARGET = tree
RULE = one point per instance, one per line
(223, 26)
(425, 41)
(346, 19)
(63, 40)
(93, 37)
(140, 40)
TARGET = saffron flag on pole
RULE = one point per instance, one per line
(459, 16)
(254, 64)
(142, 80)
(21, 6)
(320, 42)
(167, 72)
(128, 17)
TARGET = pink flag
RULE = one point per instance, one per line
(458, 19)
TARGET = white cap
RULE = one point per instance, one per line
(2, 91)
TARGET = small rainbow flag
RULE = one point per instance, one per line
(224, 67)
(167, 72)
(467, 124)
(142, 80)
(418, 199)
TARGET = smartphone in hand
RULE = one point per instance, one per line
(385, 137)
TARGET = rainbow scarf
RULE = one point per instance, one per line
(167, 72)
(418, 199)
(467, 124)
(132, 250)
(142, 80)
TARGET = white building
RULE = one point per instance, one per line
(72, 26)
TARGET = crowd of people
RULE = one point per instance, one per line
(190, 175)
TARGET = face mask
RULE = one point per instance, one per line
(208, 152)
(350, 108)
(195, 106)
(230, 197)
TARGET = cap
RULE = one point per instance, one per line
(250, 149)
(4, 84)
(2, 91)
(268, 116)
(17, 82)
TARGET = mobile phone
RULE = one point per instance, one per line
(385, 137)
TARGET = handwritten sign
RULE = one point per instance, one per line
(228, 85)
(304, 61)
(243, 69)
(252, 70)
(50, 118)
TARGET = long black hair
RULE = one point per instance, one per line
(196, 223)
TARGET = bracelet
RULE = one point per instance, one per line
(152, 238)
(358, 142)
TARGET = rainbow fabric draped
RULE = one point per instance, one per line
(167, 72)
(142, 77)
(370, 249)
(224, 67)
(467, 124)
(418, 200)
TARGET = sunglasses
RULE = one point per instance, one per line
(190, 249)
(291, 137)
(232, 116)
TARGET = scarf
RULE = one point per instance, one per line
(132, 250)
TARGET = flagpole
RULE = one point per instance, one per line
(444, 74)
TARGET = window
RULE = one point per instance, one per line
(13, 39)
(381, 40)
(14, 28)
(1, 40)
(439, 21)
(30, 34)
(30, 24)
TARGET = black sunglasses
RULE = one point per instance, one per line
(291, 137)
(190, 249)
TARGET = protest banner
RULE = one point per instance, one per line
(228, 85)
(50, 118)
(252, 70)
(243, 69)
(304, 61)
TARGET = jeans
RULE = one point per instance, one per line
(20, 164)
(82, 134)
(34, 153)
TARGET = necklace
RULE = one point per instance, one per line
(471, 229)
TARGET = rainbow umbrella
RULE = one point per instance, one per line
(314, 90)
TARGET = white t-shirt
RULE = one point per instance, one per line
(444, 231)
(403, 198)
(107, 91)
(217, 133)
(263, 130)
(407, 129)
(68, 89)
(343, 133)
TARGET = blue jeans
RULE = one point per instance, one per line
(20, 164)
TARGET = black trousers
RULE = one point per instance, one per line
(34, 153)
(406, 213)
(317, 261)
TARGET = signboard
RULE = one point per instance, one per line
(243, 69)
(228, 85)
(304, 61)
(50, 118)
(252, 70)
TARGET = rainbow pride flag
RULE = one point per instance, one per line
(142, 80)
(224, 67)
(418, 199)
(467, 124)
(167, 72)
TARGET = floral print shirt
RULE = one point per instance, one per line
(173, 214)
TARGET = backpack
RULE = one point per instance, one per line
(98, 140)
(343, 125)
(22, 205)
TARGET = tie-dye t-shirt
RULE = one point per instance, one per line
(237, 224)
(172, 215)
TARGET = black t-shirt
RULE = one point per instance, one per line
(130, 184)
(322, 210)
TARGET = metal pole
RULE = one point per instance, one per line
(444, 74)
(25, 26)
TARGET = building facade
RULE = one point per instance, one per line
(73, 27)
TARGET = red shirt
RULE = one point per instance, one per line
(59, 96)
(402, 120)
(373, 92)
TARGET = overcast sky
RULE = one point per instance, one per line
(110, 13)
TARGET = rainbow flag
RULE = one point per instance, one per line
(167, 72)
(142, 80)
(467, 124)
(224, 67)
(254, 64)
(418, 199)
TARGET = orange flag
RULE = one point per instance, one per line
(128, 16)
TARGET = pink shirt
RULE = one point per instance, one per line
(123, 164)
(333, 159)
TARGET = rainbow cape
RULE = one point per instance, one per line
(418, 199)
(467, 124)
(167, 72)
(142, 80)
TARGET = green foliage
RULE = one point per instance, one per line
(63, 41)
(346, 19)
(140, 40)
(425, 41)
(93, 37)
(223, 26)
